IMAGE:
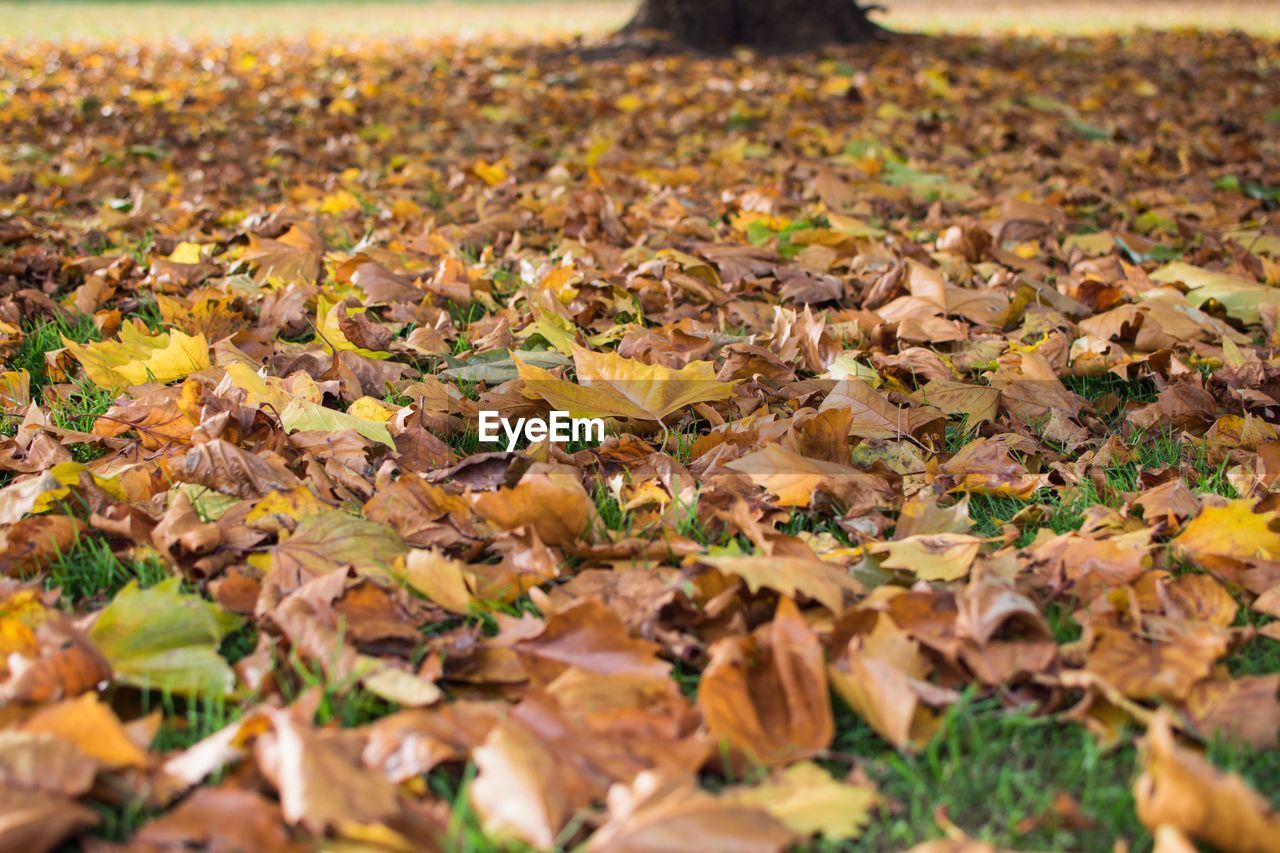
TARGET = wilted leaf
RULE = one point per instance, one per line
(765, 696)
(1232, 531)
(1179, 788)
(219, 818)
(656, 813)
(553, 504)
(931, 557)
(444, 581)
(518, 793)
(795, 479)
(1242, 299)
(43, 761)
(591, 638)
(320, 779)
(37, 821)
(295, 257)
(27, 546)
(92, 727)
(326, 540)
(301, 415)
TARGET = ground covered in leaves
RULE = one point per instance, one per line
(938, 500)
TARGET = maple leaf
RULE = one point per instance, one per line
(321, 783)
(138, 358)
(795, 479)
(323, 541)
(610, 385)
(294, 258)
(1242, 299)
(806, 799)
(518, 792)
(822, 582)
(931, 557)
(653, 809)
(1231, 531)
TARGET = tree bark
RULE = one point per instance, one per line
(767, 24)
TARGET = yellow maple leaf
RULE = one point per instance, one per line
(823, 582)
(137, 357)
(296, 402)
(1233, 531)
(809, 801)
(187, 253)
(932, 557)
(492, 174)
(612, 386)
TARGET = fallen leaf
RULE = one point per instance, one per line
(162, 639)
(517, 793)
(806, 799)
(91, 727)
(765, 696)
(612, 386)
(1233, 531)
(37, 821)
(319, 777)
(1179, 788)
(138, 358)
(554, 504)
(823, 582)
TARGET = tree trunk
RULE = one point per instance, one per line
(768, 24)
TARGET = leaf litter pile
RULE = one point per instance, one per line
(941, 398)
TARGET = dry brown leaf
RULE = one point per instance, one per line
(554, 504)
(765, 696)
(518, 792)
(588, 636)
(659, 814)
(822, 582)
(1179, 788)
(37, 821)
(321, 782)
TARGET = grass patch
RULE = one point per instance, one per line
(1259, 656)
(187, 722)
(78, 411)
(45, 335)
(996, 773)
(90, 568)
(609, 511)
(454, 786)
(120, 823)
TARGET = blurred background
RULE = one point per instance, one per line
(44, 19)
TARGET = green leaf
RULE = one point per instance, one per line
(499, 366)
(1261, 192)
(1240, 297)
(303, 415)
(163, 639)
